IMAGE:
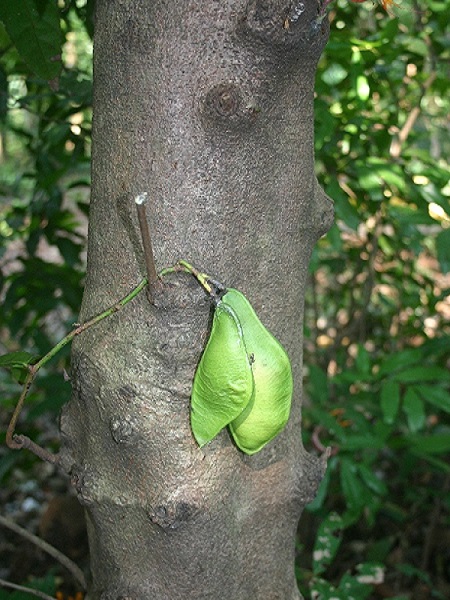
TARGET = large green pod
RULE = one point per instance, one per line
(268, 412)
(223, 382)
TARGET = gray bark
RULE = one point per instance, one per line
(208, 106)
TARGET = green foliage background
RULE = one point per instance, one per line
(377, 317)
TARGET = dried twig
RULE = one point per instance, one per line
(400, 139)
(76, 572)
(152, 275)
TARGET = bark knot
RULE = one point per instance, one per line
(171, 515)
(227, 103)
(123, 429)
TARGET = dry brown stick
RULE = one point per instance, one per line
(400, 139)
(74, 569)
(152, 275)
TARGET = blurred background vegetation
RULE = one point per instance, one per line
(377, 349)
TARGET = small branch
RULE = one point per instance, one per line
(400, 139)
(203, 279)
(152, 276)
(11, 442)
(25, 590)
(326, 451)
(182, 266)
(74, 569)
(213, 288)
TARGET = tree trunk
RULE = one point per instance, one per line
(206, 105)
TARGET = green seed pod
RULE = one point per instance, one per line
(268, 411)
(223, 383)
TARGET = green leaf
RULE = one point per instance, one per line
(363, 361)
(323, 590)
(414, 409)
(433, 444)
(390, 400)
(346, 211)
(3, 94)
(362, 88)
(370, 573)
(319, 383)
(437, 396)
(352, 589)
(328, 540)
(417, 46)
(266, 415)
(374, 483)
(334, 74)
(13, 359)
(34, 28)
(443, 250)
(361, 441)
(323, 489)
(400, 360)
(355, 493)
(223, 383)
(418, 374)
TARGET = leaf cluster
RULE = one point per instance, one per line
(377, 350)
(45, 128)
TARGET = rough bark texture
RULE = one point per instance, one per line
(208, 106)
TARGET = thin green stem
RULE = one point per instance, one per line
(182, 266)
(202, 278)
(108, 312)
(20, 441)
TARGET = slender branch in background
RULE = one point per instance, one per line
(400, 139)
(152, 276)
(25, 590)
(370, 281)
(74, 569)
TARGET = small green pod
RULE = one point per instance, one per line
(223, 382)
(268, 412)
